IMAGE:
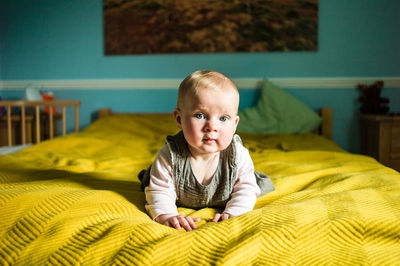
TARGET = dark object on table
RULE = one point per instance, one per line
(2, 109)
(371, 101)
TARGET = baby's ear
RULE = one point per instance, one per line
(177, 117)
(237, 120)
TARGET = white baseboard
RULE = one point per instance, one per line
(242, 83)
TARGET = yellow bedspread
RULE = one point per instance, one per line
(77, 200)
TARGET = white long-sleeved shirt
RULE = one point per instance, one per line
(161, 194)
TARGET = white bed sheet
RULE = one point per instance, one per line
(13, 149)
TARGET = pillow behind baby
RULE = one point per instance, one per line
(277, 111)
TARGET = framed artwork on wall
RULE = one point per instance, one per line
(209, 26)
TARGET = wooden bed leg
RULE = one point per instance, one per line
(103, 112)
(327, 120)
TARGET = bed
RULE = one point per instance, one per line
(76, 199)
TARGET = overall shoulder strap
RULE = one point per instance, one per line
(179, 152)
(177, 148)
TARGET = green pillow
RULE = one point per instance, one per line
(277, 111)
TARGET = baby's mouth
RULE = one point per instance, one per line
(209, 140)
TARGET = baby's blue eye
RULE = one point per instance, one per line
(199, 116)
(223, 118)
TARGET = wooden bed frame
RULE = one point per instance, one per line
(37, 105)
(325, 129)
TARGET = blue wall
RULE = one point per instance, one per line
(64, 39)
(50, 39)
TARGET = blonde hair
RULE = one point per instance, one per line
(202, 79)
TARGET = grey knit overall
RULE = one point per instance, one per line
(192, 194)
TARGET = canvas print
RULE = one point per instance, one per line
(209, 26)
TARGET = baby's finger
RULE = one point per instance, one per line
(175, 223)
(224, 216)
(217, 216)
(185, 223)
(190, 220)
(195, 219)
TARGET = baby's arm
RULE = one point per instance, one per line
(160, 193)
(161, 196)
(245, 190)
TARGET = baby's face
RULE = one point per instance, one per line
(209, 118)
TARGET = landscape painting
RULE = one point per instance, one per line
(209, 26)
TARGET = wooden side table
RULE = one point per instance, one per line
(50, 120)
(15, 129)
(29, 128)
(45, 126)
(381, 139)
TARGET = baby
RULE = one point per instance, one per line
(205, 164)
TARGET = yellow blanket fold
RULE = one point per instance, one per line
(77, 200)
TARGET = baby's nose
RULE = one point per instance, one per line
(211, 126)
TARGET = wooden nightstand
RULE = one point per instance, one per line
(41, 123)
(29, 128)
(381, 139)
(15, 129)
(45, 126)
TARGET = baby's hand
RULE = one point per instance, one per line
(176, 221)
(221, 217)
